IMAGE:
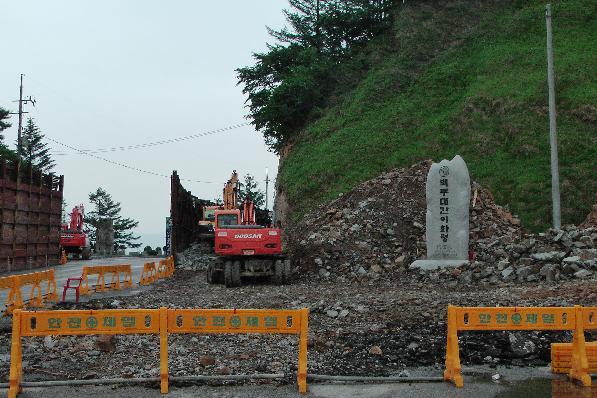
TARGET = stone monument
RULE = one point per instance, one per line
(448, 191)
(104, 234)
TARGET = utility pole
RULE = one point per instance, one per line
(19, 142)
(266, 186)
(553, 137)
(20, 113)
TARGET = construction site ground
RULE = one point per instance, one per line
(389, 326)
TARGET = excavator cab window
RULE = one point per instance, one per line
(210, 215)
(227, 219)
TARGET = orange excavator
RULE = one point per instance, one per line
(73, 240)
(230, 195)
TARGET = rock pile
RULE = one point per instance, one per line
(379, 227)
(552, 257)
(194, 258)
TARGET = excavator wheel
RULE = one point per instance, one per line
(228, 274)
(209, 274)
(279, 272)
(232, 274)
(287, 271)
(218, 277)
(236, 274)
(86, 253)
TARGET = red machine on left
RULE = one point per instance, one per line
(72, 237)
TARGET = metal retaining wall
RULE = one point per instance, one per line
(30, 217)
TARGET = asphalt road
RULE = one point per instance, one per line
(73, 269)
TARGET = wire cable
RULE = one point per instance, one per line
(126, 166)
(160, 142)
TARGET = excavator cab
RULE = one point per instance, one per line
(225, 218)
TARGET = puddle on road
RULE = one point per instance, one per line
(545, 388)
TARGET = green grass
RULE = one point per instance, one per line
(459, 78)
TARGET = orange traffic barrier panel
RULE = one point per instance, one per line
(170, 265)
(155, 321)
(36, 296)
(101, 271)
(165, 268)
(245, 321)
(517, 318)
(561, 357)
(562, 353)
(149, 274)
(15, 298)
(162, 269)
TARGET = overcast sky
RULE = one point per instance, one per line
(116, 73)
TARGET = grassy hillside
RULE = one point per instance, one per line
(469, 78)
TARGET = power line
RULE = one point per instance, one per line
(160, 142)
(126, 166)
(65, 97)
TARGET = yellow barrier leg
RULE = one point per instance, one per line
(154, 273)
(128, 279)
(35, 297)
(51, 292)
(16, 366)
(15, 298)
(302, 364)
(144, 277)
(84, 290)
(164, 350)
(101, 282)
(115, 284)
(579, 369)
(453, 368)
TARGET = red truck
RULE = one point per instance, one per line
(244, 249)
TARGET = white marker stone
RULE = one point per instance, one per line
(448, 192)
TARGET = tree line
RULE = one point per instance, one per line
(296, 75)
(34, 151)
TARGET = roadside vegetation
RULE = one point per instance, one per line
(457, 77)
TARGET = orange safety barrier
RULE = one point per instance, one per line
(165, 268)
(101, 271)
(149, 274)
(36, 298)
(156, 321)
(516, 318)
(561, 357)
(562, 353)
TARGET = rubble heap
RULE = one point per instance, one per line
(379, 227)
(194, 258)
(553, 256)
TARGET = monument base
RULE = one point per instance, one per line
(430, 265)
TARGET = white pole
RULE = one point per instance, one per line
(553, 137)
(266, 187)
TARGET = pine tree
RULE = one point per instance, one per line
(290, 83)
(33, 150)
(4, 115)
(305, 24)
(249, 190)
(105, 207)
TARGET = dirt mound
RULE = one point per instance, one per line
(380, 225)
